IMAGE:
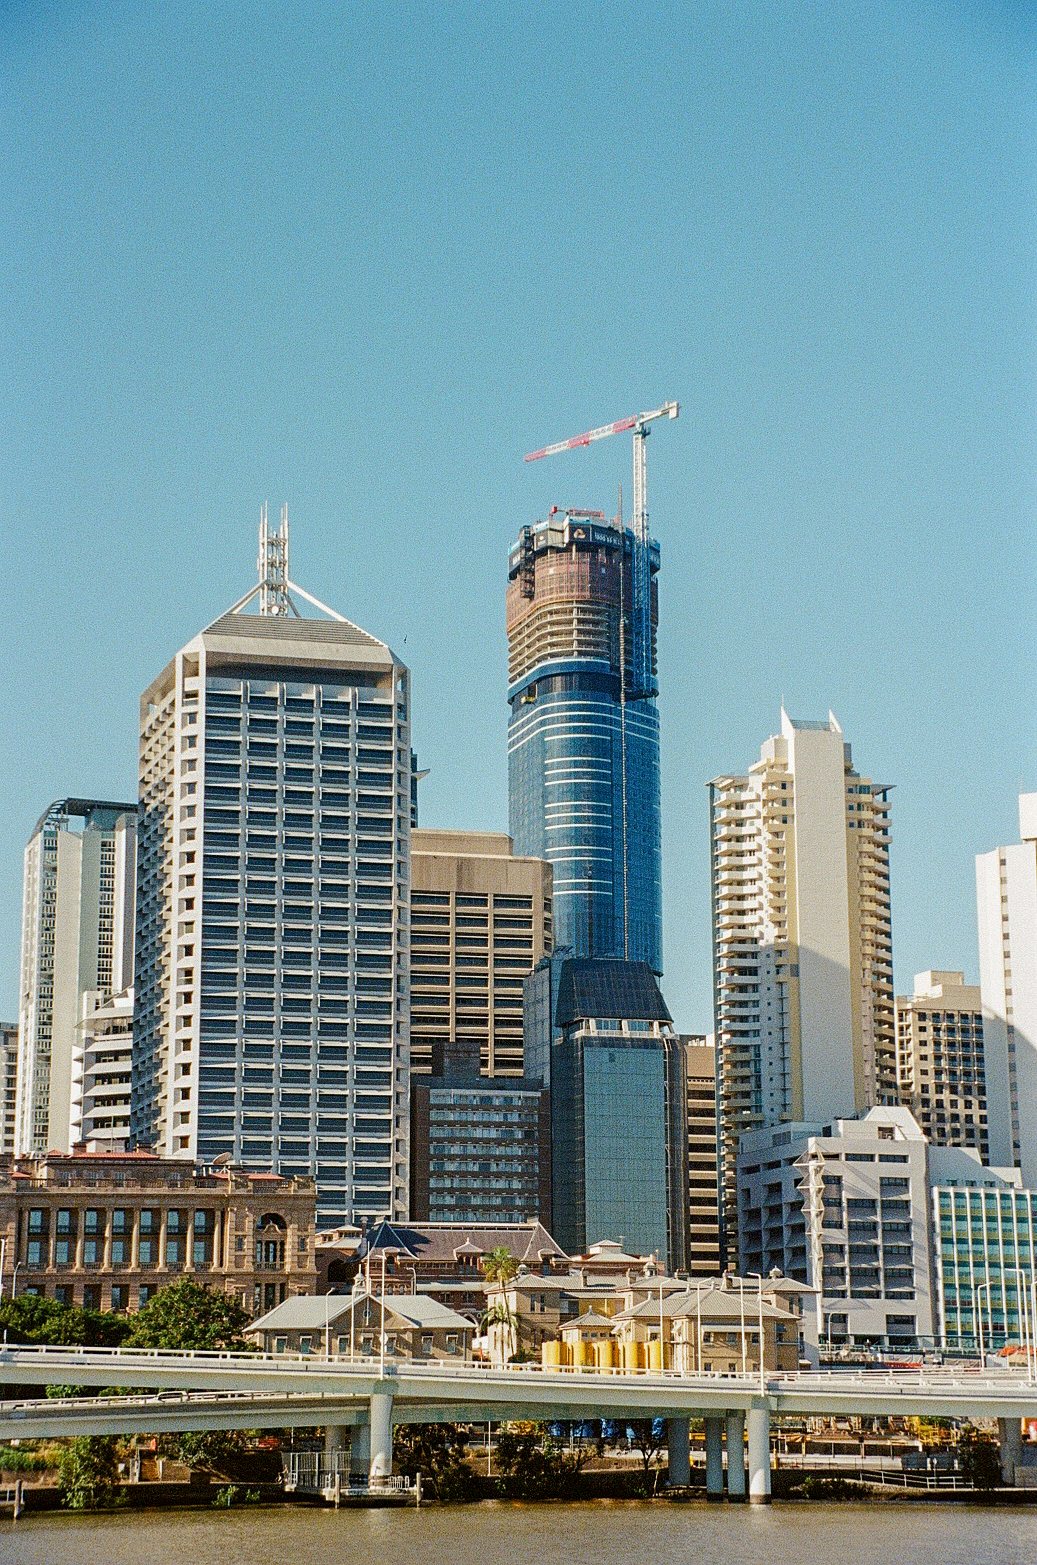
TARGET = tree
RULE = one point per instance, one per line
(87, 1473)
(980, 1458)
(532, 1466)
(649, 1436)
(436, 1451)
(189, 1316)
(501, 1268)
(29, 1318)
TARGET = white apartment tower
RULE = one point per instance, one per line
(1006, 897)
(273, 921)
(802, 948)
(77, 937)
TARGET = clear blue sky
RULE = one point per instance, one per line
(361, 257)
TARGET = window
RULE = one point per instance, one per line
(120, 1296)
(426, 1344)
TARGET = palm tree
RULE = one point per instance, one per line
(500, 1267)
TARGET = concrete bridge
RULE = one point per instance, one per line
(358, 1402)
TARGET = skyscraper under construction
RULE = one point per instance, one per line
(583, 735)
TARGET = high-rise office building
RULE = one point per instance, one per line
(802, 948)
(1006, 894)
(600, 1038)
(583, 735)
(273, 911)
(940, 1073)
(77, 937)
(480, 921)
(702, 1254)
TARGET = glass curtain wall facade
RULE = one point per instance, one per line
(600, 1038)
(584, 761)
(273, 929)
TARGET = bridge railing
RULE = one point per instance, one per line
(934, 1377)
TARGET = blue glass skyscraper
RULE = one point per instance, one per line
(583, 735)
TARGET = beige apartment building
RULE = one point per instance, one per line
(480, 921)
(940, 1066)
(702, 1252)
(802, 943)
(106, 1231)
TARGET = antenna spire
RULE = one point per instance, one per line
(273, 565)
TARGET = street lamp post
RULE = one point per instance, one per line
(763, 1374)
(381, 1355)
(977, 1290)
(741, 1301)
(1025, 1322)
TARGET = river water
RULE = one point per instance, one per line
(602, 1533)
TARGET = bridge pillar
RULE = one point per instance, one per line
(759, 1456)
(380, 1434)
(736, 1456)
(1010, 1438)
(679, 1449)
(360, 1449)
(714, 1458)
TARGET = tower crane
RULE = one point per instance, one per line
(642, 680)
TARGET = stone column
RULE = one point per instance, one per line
(715, 1458)
(360, 1450)
(759, 1456)
(189, 1244)
(736, 1456)
(381, 1436)
(678, 1447)
(1010, 1438)
(336, 1438)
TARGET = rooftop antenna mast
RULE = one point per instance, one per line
(273, 566)
(275, 587)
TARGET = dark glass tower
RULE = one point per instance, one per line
(583, 735)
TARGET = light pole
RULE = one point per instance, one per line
(662, 1350)
(741, 1301)
(977, 1290)
(763, 1374)
(381, 1354)
(1025, 1322)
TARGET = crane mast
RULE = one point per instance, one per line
(640, 674)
